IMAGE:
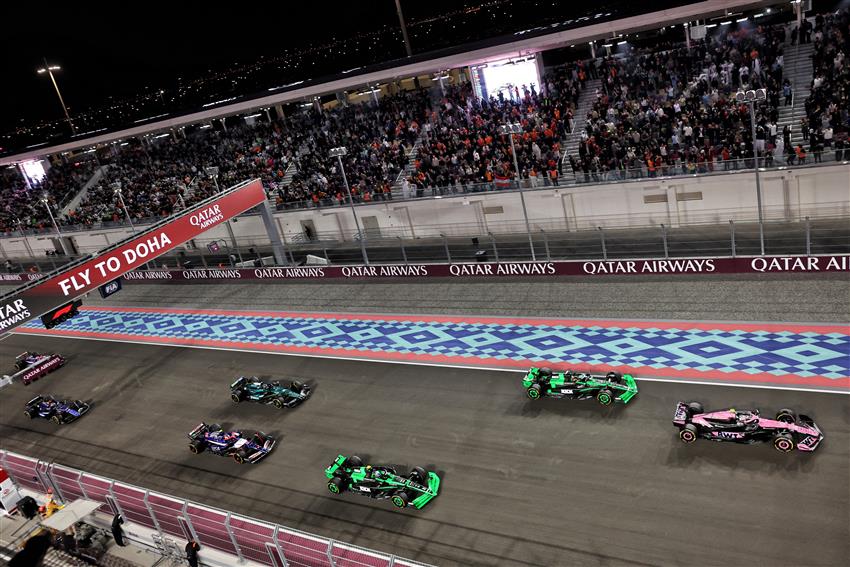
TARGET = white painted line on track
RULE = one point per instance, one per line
(439, 365)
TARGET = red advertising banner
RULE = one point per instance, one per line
(51, 292)
(740, 265)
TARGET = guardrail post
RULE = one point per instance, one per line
(113, 501)
(277, 543)
(808, 237)
(392, 561)
(546, 245)
(55, 485)
(495, 249)
(732, 234)
(152, 514)
(331, 552)
(664, 240)
(403, 251)
(80, 484)
(233, 538)
(189, 525)
(446, 245)
(602, 238)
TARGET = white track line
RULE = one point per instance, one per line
(438, 365)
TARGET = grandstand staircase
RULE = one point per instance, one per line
(570, 145)
(75, 202)
(409, 168)
(290, 172)
(799, 69)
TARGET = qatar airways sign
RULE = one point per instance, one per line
(78, 280)
(748, 265)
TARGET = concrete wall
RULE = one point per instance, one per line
(789, 194)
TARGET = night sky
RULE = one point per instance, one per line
(109, 49)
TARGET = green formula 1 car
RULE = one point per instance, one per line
(415, 489)
(607, 389)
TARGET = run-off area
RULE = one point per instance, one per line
(553, 482)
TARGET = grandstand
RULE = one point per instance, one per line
(633, 108)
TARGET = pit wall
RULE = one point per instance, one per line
(790, 195)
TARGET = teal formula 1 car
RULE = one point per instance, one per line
(415, 489)
(607, 389)
(252, 389)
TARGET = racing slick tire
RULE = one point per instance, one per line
(354, 461)
(236, 396)
(688, 433)
(786, 415)
(278, 403)
(30, 413)
(784, 443)
(240, 457)
(336, 485)
(605, 397)
(533, 392)
(695, 408)
(419, 473)
(400, 499)
(197, 446)
(545, 371)
(56, 419)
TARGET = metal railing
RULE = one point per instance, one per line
(242, 537)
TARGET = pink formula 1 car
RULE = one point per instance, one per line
(787, 431)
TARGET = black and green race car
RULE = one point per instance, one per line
(416, 489)
(252, 389)
(607, 389)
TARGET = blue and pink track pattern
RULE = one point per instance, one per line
(772, 354)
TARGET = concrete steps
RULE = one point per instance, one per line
(799, 70)
(569, 147)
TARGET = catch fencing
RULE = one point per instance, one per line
(244, 538)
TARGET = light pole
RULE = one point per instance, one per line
(338, 153)
(116, 187)
(510, 130)
(49, 70)
(751, 97)
(46, 201)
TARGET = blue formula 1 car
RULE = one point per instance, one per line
(57, 411)
(252, 389)
(242, 448)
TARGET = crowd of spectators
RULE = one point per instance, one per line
(657, 112)
(827, 122)
(466, 147)
(674, 111)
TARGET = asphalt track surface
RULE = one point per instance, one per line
(524, 483)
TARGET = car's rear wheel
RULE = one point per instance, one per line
(236, 396)
(30, 413)
(605, 397)
(278, 403)
(533, 391)
(56, 419)
(400, 499)
(196, 446)
(419, 473)
(688, 433)
(784, 443)
(336, 485)
(354, 461)
(786, 415)
(695, 408)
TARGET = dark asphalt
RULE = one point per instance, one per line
(545, 483)
(806, 298)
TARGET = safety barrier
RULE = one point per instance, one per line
(247, 539)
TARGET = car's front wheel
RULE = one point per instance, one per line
(400, 499)
(240, 457)
(278, 403)
(533, 391)
(786, 415)
(419, 473)
(784, 443)
(56, 419)
(605, 397)
(688, 433)
(354, 461)
(336, 485)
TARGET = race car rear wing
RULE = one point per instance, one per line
(680, 417)
(199, 429)
(239, 382)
